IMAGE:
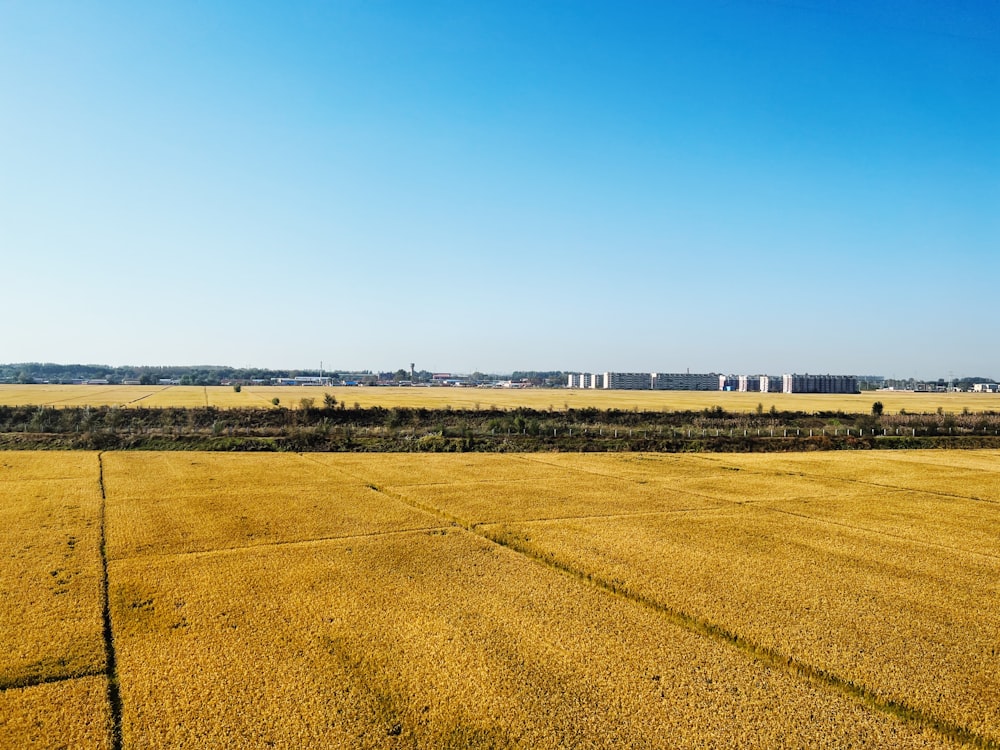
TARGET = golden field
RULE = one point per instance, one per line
(556, 399)
(50, 537)
(53, 689)
(479, 600)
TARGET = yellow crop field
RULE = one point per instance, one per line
(439, 639)
(50, 580)
(190, 502)
(73, 395)
(66, 714)
(53, 689)
(555, 399)
(509, 601)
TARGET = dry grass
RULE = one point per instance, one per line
(557, 399)
(50, 579)
(68, 714)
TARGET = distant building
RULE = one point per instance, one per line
(645, 381)
(628, 381)
(771, 384)
(690, 381)
(580, 380)
(312, 380)
(819, 384)
(686, 381)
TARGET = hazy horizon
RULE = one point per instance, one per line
(769, 186)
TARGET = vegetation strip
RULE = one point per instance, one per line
(111, 662)
(332, 427)
(768, 656)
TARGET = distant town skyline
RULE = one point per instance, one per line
(752, 186)
(14, 371)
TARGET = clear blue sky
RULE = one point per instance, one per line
(739, 186)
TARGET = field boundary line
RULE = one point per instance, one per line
(111, 660)
(756, 504)
(602, 516)
(265, 399)
(534, 458)
(862, 482)
(637, 483)
(29, 682)
(137, 400)
(762, 654)
(526, 480)
(938, 493)
(267, 545)
(877, 532)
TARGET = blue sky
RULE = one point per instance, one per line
(735, 186)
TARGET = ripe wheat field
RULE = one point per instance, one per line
(503, 601)
(555, 399)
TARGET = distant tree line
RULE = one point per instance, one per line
(31, 372)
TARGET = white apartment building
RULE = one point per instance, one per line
(629, 381)
(685, 381)
(819, 384)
